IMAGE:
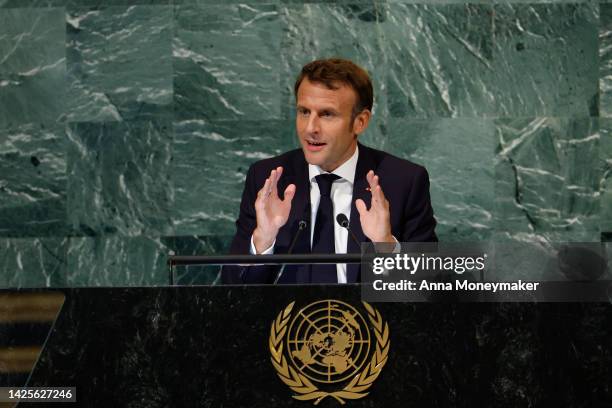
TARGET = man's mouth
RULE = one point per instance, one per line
(313, 146)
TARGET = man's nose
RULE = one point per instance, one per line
(313, 124)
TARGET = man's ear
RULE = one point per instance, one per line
(361, 121)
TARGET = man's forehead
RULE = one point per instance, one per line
(340, 93)
(334, 86)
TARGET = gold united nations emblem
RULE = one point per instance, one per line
(328, 349)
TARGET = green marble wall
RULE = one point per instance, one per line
(126, 127)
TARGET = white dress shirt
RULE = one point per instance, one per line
(341, 195)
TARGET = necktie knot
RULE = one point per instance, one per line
(325, 182)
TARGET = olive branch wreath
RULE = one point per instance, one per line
(305, 389)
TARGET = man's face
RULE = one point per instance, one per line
(324, 126)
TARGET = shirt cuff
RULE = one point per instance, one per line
(388, 247)
(266, 252)
(396, 250)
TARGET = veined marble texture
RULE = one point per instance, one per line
(226, 61)
(33, 181)
(440, 60)
(69, 3)
(549, 177)
(546, 60)
(605, 154)
(119, 63)
(116, 261)
(33, 262)
(210, 166)
(32, 66)
(119, 179)
(605, 57)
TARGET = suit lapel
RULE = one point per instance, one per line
(365, 163)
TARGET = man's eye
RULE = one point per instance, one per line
(303, 112)
(326, 114)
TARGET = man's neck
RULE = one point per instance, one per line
(346, 170)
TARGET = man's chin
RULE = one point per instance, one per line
(314, 158)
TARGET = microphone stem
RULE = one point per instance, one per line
(345, 224)
(354, 237)
(301, 226)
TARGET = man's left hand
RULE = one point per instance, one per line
(375, 222)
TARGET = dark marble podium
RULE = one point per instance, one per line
(208, 347)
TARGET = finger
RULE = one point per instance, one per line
(381, 203)
(264, 192)
(375, 197)
(289, 193)
(272, 184)
(383, 197)
(378, 195)
(361, 207)
(372, 180)
(369, 177)
(276, 173)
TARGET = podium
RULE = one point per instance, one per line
(208, 346)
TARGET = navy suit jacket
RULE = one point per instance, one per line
(405, 185)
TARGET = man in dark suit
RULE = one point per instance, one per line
(385, 198)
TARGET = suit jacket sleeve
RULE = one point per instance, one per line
(245, 225)
(420, 223)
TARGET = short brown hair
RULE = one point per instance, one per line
(332, 70)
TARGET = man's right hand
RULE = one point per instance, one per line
(271, 212)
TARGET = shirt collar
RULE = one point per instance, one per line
(346, 171)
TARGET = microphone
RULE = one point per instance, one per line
(343, 221)
(302, 225)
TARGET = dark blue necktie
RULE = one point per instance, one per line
(323, 241)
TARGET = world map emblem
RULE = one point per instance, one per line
(329, 349)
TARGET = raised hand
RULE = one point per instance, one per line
(375, 222)
(271, 212)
